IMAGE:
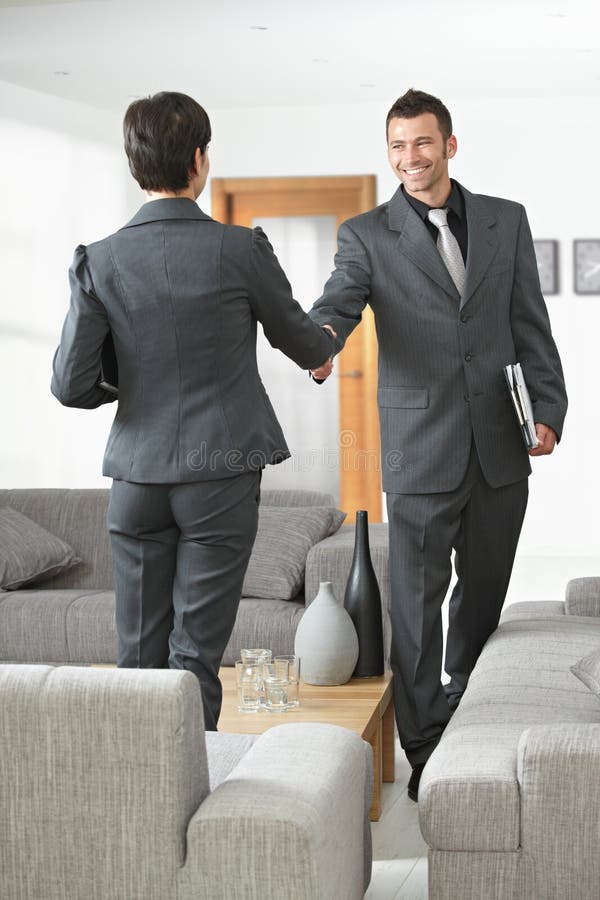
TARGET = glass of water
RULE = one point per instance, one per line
(288, 666)
(261, 657)
(276, 693)
(248, 682)
(256, 655)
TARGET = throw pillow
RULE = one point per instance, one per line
(284, 537)
(588, 671)
(28, 551)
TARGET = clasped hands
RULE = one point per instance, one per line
(326, 369)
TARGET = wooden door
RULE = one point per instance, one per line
(238, 201)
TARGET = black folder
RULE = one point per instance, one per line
(109, 370)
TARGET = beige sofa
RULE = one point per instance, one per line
(110, 791)
(509, 802)
(71, 619)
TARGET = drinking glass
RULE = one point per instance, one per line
(259, 656)
(256, 655)
(276, 693)
(288, 666)
(248, 681)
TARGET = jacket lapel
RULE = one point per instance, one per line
(416, 244)
(483, 242)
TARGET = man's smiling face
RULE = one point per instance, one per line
(419, 154)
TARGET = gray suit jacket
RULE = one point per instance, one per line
(181, 295)
(440, 359)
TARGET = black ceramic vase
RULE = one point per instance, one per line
(363, 601)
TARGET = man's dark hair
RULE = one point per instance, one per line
(161, 136)
(415, 103)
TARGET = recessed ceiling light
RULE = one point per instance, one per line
(557, 15)
(320, 59)
(367, 85)
(61, 72)
(259, 28)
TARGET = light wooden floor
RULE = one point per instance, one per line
(399, 851)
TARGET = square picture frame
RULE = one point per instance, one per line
(546, 254)
(586, 266)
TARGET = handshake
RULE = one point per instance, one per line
(319, 375)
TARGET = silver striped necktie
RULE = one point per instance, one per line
(449, 248)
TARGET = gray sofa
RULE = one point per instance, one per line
(509, 802)
(111, 792)
(70, 618)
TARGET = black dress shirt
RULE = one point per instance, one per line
(457, 219)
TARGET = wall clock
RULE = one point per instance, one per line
(546, 253)
(586, 266)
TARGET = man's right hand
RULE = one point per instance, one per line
(326, 369)
(323, 371)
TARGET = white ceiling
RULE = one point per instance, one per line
(312, 51)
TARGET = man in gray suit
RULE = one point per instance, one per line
(456, 297)
(181, 295)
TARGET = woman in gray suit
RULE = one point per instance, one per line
(181, 296)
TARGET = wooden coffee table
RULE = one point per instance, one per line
(363, 705)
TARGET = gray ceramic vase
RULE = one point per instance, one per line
(326, 640)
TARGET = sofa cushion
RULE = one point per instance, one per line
(285, 535)
(78, 626)
(66, 626)
(28, 552)
(224, 752)
(264, 623)
(533, 609)
(582, 596)
(295, 497)
(78, 517)
(588, 671)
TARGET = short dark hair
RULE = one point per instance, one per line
(161, 136)
(415, 103)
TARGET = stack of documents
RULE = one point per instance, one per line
(522, 403)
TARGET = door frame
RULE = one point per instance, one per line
(237, 201)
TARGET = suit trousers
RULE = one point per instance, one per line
(180, 553)
(482, 524)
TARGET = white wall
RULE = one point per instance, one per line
(526, 150)
(63, 181)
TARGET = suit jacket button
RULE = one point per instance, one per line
(464, 318)
(467, 398)
(468, 357)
